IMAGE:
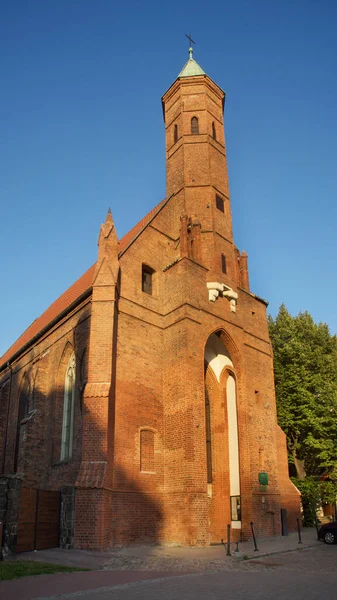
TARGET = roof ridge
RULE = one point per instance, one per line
(73, 292)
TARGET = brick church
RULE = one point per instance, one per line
(146, 390)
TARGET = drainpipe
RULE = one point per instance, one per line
(7, 419)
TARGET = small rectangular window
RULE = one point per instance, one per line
(147, 274)
(223, 263)
(235, 508)
(219, 203)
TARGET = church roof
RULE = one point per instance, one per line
(191, 68)
(74, 292)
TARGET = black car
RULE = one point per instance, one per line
(328, 533)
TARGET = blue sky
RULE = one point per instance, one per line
(82, 130)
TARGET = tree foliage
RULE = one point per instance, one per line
(305, 363)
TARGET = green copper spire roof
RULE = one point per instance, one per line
(191, 68)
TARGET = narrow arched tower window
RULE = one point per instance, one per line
(223, 263)
(213, 131)
(194, 125)
(68, 410)
(175, 134)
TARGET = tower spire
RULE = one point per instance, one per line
(191, 69)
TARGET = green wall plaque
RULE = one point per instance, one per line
(263, 478)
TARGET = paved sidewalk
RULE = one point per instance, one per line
(276, 545)
(174, 558)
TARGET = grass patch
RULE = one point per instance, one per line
(11, 569)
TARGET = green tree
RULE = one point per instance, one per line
(305, 364)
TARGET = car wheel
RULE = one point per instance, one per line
(329, 538)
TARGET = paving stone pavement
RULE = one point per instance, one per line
(176, 564)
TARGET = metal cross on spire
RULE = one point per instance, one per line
(189, 37)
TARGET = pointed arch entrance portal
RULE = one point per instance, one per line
(222, 441)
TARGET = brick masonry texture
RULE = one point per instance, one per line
(138, 470)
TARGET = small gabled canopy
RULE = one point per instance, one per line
(191, 69)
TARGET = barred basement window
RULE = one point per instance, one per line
(213, 131)
(68, 410)
(223, 263)
(147, 451)
(194, 126)
(219, 203)
(147, 277)
(175, 135)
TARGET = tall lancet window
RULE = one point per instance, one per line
(194, 125)
(208, 438)
(68, 410)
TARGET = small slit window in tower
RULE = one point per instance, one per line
(194, 126)
(219, 203)
(223, 263)
(213, 131)
(175, 134)
(147, 279)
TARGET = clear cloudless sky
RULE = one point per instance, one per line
(82, 130)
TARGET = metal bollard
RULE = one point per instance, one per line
(254, 538)
(299, 531)
(316, 523)
(228, 553)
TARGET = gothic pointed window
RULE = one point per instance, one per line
(175, 134)
(213, 131)
(194, 126)
(22, 414)
(68, 410)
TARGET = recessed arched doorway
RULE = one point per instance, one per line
(222, 442)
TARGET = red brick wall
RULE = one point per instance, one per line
(140, 368)
(44, 365)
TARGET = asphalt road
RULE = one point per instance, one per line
(309, 574)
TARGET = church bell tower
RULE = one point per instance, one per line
(196, 165)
